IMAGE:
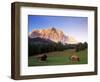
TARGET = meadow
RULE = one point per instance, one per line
(60, 58)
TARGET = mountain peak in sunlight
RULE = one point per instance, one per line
(53, 34)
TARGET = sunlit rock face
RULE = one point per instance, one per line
(53, 34)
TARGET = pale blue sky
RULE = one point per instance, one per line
(73, 26)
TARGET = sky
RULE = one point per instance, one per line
(73, 26)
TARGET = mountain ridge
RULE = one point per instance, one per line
(52, 34)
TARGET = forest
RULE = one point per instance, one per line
(39, 46)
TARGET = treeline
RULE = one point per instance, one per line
(81, 46)
(39, 48)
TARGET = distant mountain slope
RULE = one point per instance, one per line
(52, 34)
(39, 40)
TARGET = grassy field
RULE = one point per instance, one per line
(59, 58)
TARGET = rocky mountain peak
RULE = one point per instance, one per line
(52, 34)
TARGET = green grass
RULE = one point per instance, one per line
(59, 58)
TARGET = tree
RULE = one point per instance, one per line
(60, 46)
(81, 46)
(85, 44)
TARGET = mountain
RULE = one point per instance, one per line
(39, 40)
(53, 34)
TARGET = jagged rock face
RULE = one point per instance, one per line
(52, 34)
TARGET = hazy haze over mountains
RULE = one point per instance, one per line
(53, 34)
